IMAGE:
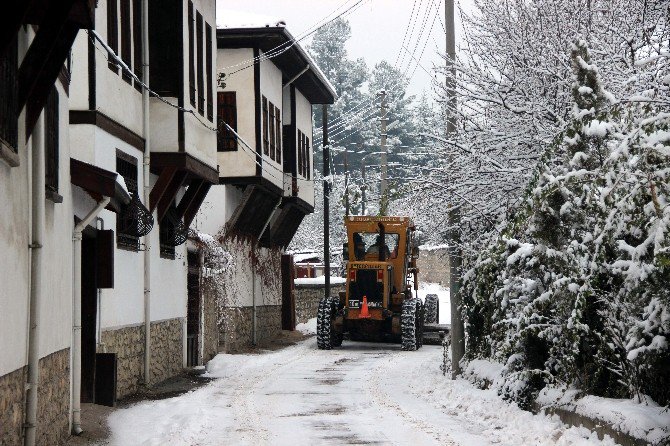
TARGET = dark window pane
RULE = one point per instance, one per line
(201, 79)
(126, 39)
(227, 113)
(209, 68)
(113, 32)
(191, 54)
(51, 141)
(266, 142)
(137, 40)
(126, 166)
(9, 124)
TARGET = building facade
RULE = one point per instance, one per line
(265, 156)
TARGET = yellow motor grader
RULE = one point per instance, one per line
(378, 303)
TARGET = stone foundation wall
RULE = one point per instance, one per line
(210, 326)
(53, 402)
(236, 330)
(128, 344)
(167, 349)
(307, 299)
(53, 399)
(434, 266)
(11, 407)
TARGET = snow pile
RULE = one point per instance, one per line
(227, 18)
(482, 373)
(321, 280)
(433, 247)
(646, 420)
(307, 328)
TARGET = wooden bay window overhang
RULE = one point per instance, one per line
(99, 183)
(177, 170)
(272, 213)
(56, 23)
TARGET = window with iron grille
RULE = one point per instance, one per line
(201, 64)
(278, 139)
(9, 116)
(51, 141)
(208, 58)
(113, 32)
(126, 237)
(191, 54)
(266, 141)
(226, 113)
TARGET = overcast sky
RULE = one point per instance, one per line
(378, 28)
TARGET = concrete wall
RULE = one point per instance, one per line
(307, 299)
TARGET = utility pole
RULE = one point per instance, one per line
(364, 186)
(326, 203)
(454, 232)
(383, 204)
(346, 183)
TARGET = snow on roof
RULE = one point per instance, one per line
(229, 18)
(232, 19)
(299, 258)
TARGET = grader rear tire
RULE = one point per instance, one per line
(326, 336)
(432, 307)
(408, 325)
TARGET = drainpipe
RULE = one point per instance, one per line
(146, 178)
(76, 315)
(253, 274)
(36, 271)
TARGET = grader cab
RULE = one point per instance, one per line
(379, 303)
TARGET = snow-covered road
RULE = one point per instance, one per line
(361, 393)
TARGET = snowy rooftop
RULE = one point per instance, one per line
(228, 18)
(291, 59)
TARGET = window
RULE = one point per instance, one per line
(51, 143)
(266, 141)
(126, 230)
(191, 54)
(301, 138)
(126, 39)
(137, 41)
(308, 170)
(278, 134)
(201, 79)
(113, 32)
(271, 121)
(304, 167)
(9, 114)
(226, 112)
(208, 58)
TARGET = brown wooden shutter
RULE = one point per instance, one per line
(307, 153)
(113, 32)
(137, 41)
(278, 139)
(9, 113)
(191, 54)
(104, 254)
(299, 152)
(271, 120)
(266, 142)
(51, 141)
(209, 68)
(226, 112)
(201, 65)
(126, 39)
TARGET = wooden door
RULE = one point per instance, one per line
(288, 293)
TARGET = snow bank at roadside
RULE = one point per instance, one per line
(321, 280)
(307, 328)
(646, 420)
